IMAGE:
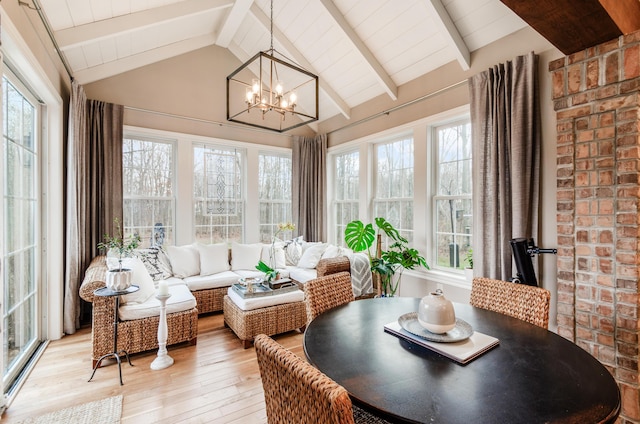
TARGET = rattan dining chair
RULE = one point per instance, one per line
(528, 303)
(296, 392)
(327, 292)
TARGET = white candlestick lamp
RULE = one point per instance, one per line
(163, 360)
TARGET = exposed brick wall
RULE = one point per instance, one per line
(597, 105)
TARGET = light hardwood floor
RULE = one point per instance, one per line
(216, 381)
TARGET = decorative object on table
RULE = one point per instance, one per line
(468, 270)
(436, 313)
(163, 359)
(463, 351)
(387, 264)
(258, 289)
(117, 246)
(269, 273)
(461, 330)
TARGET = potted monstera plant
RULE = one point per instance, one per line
(387, 264)
(116, 246)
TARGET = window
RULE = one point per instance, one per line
(452, 201)
(346, 190)
(274, 185)
(20, 217)
(394, 184)
(218, 194)
(148, 180)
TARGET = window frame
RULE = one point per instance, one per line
(241, 201)
(408, 233)
(433, 196)
(173, 198)
(272, 227)
(339, 227)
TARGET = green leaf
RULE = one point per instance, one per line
(358, 236)
(390, 230)
(263, 267)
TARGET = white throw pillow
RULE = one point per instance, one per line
(293, 250)
(332, 251)
(279, 256)
(142, 279)
(185, 260)
(214, 258)
(245, 256)
(311, 256)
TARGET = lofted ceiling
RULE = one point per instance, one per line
(360, 49)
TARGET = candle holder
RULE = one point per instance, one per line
(163, 360)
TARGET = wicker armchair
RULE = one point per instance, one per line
(528, 303)
(134, 335)
(296, 392)
(327, 292)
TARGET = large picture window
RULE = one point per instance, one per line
(453, 189)
(218, 194)
(20, 217)
(148, 190)
(346, 191)
(274, 185)
(394, 184)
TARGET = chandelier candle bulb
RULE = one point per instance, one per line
(163, 288)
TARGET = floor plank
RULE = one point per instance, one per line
(216, 381)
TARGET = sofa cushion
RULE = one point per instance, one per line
(245, 256)
(251, 303)
(214, 258)
(311, 255)
(202, 282)
(247, 273)
(185, 260)
(302, 275)
(141, 278)
(156, 261)
(181, 300)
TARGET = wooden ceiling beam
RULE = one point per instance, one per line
(569, 25)
(625, 13)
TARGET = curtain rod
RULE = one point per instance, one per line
(403, 105)
(47, 27)
(206, 121)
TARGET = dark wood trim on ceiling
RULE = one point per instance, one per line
(573, 25)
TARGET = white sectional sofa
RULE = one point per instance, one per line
(208, 270)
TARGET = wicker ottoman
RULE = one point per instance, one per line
(269, 320)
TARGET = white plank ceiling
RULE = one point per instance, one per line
(360, 49)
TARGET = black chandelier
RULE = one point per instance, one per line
(272, 92)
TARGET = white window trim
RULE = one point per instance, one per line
(184, 223)
(423, 180)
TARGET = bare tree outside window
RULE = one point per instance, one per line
(274, 186)
(148, 186)
(394, 184)
(453, 206)
(346, 192)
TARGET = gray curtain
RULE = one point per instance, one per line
(505, 119)
(94, 189)
(309, 182)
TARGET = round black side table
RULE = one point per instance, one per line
(106, 292)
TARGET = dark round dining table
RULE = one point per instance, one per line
(532, 376)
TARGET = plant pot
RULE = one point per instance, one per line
(468, 274)
(119, 279)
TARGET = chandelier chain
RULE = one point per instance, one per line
(271, 28)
